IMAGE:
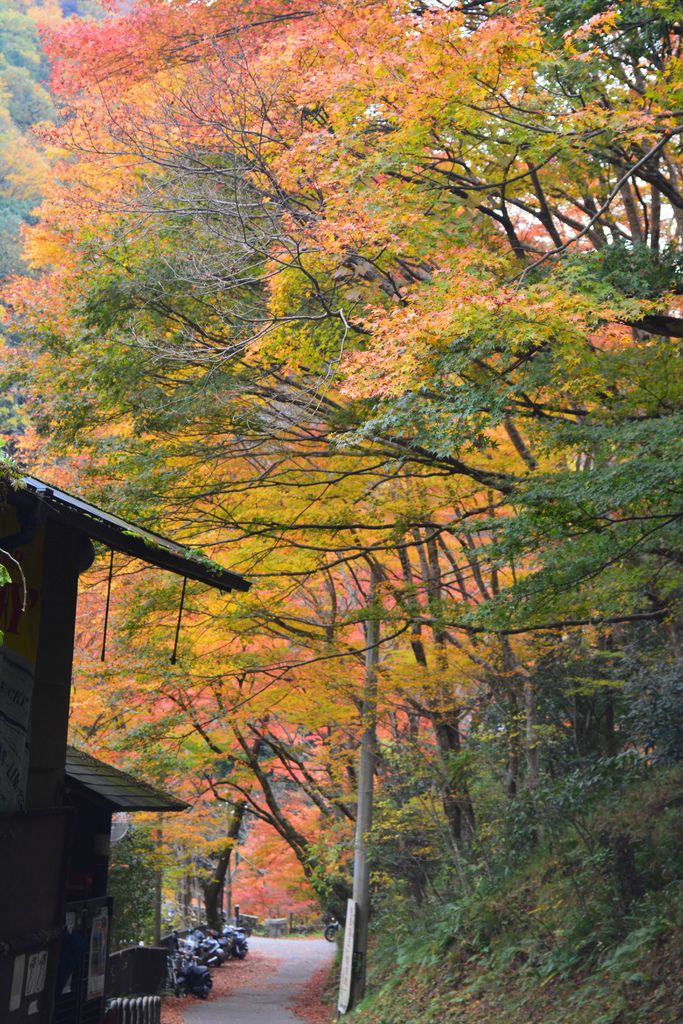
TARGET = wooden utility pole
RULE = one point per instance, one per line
(366, 778)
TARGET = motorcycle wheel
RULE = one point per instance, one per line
(331, 933)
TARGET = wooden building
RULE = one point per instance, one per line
(46, 541)
(93, 792)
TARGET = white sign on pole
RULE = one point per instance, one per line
(347, 958)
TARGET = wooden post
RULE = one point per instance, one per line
(366, 778)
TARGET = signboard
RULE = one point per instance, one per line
(98, 955)
(347, 958)
(36, 973)
(27, 988)
(17, 982)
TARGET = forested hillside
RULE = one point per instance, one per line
(26, 103)
(379, 304)
(26, 106)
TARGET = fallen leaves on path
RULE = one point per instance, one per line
(256, 969)
(311, 1005)
(171, 1010)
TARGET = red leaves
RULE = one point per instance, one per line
(155, 35)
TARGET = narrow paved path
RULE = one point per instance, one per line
(267, 1003)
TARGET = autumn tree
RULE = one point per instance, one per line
(391, 288)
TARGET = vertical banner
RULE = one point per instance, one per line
(347, 958)
(97, 963)
(19, 621)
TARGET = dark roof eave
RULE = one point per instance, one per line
(125, 537)
(118, 790)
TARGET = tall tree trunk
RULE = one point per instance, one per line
(158, 882)
(531, 736)
(214, 886)
(522, 692)
(366, 779)
(445, 717)
(332, 892)
(455, 795)
(414, 611)
(512, 757)
(608, 725)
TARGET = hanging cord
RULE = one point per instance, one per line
(174, 656)
(106, 608)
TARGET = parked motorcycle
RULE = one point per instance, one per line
(207, 948)
(234, 941)
(331, 930)
(187, 977)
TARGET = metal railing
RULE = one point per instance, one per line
(139, 1010)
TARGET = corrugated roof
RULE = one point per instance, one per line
(120, 535)
(121, 790)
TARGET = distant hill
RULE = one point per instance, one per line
(25, 102)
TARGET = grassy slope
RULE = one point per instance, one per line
(646, 985)
(558, 941)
